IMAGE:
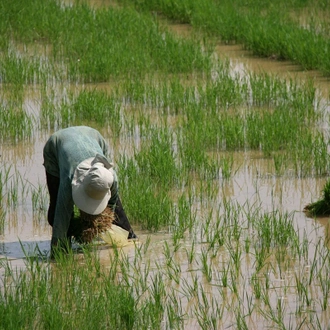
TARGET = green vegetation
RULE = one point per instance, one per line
(177, 119)
(322, 206)
(264, 27)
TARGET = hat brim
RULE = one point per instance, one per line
(87, 204)
(80, 198)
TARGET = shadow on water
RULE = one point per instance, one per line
(22, 249)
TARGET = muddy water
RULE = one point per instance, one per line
(254, 182)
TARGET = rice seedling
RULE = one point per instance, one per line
(305, 299)
(87, 227)
(261, 255)
(225, 276)
(269, 30)
(322, 206)
(15, 124)
(2, 220)
(69, 284)
(149, 212)
(206, 266)
(174, 313)
(39, 200)
(325, 289)
(235, 253)
(190, 287)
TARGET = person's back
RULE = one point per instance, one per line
(65, 151)
(66, 148)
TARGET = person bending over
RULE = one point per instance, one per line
(78, 172)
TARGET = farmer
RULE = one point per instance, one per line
(78, 172)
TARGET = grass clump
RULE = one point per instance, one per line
(82, 108)
(15, 123)
(322, 206)
(150, 200)
(68, 294)
(94, 45)
(265, 28)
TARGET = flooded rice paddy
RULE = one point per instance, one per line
(253, 189)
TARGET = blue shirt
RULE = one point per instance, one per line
(63, 151)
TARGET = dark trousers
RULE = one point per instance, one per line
(53, 184)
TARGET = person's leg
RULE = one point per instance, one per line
(121, 219)
(53, 184)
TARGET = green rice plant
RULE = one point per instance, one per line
(240, 320)
(174, 314)
(153, 308)
(247, 244)
(87, 107)
(235, 253)
(234, 279)
(231, 219)
(193, 159)
(173, 271)
(315, 262)
(207, 313)
(206, 265)
(5, 176)
(156, 158)
(321, 206)
(18, 71)
(142, 195)
(248, 301)
(212, 321)
(92, 107)
(225, 275)
(17, 19)
(256, 286)
(282, 259)
(2, 220)
(190, 287)
(215, 236)
(275, 229)
(191, 253)
(274, 314)
(39, 199)
(268, 29)
(303, 292)
(15, 124)
(106, 55)
(185, 219)
(320, 155)
(325, 289)
(84, 300)
(226, 164)
(86, 54)
(142, 282)
(261, 254)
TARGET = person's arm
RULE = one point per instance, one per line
(114, 191)
(104, 146)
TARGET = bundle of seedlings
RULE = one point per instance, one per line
(87, 226)
(322, 206)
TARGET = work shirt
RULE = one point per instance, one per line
(63, 152)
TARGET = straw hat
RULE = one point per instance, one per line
(91, 184)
